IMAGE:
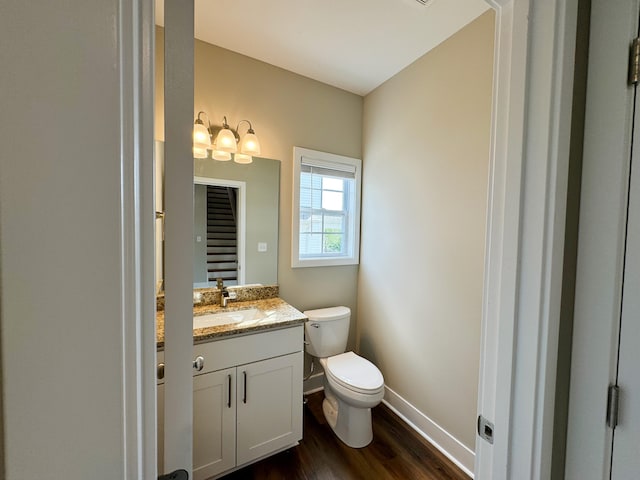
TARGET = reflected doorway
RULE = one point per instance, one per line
(218, 233)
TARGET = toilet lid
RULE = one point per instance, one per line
(355, 373)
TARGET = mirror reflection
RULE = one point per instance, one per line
(236, 209)
(219, 231)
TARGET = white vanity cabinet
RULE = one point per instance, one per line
(269, 406)
(247, 399)
(214, 423)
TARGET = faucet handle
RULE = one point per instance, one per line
(197, 297)
(220, 283)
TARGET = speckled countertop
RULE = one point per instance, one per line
(278, 314)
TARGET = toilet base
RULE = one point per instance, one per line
(351, 424)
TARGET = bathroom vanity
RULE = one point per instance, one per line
(247, 386)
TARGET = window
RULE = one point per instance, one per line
(326, 209)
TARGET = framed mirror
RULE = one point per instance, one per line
(236, 209)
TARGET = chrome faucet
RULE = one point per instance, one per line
(224, 293)
(224, 297)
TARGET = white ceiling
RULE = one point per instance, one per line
(355, 45)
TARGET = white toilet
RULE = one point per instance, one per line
(352, 384)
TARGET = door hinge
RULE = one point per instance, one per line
(634, 62)
(613, 403)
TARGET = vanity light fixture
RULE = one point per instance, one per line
(201, 135)
(249, 145)
(242, 158)
(199, 152)
(219, 155)
(226, 141)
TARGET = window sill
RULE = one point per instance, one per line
(324, 262)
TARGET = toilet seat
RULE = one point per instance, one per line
(354, 373)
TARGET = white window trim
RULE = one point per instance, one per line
(323, 158)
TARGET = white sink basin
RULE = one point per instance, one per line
(227, 318)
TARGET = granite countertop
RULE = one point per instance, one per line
(278, 314)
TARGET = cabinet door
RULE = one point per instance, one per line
(214, 423)
(269, 406)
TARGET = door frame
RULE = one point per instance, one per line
(135, 37)
(178, 234)
(531, 122)
(533, 81)
(603, 203)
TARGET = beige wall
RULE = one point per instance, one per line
(426, 156)
(286, 110)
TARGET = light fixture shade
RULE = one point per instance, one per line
(201, 137)
(226, 141)
(242, 158)
(199, 152)
(250, 144)
(220, 155)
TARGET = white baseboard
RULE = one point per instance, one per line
(313, 384)
(450, 447)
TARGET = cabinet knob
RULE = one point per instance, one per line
(198, 364)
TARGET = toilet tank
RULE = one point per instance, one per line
(327, 331)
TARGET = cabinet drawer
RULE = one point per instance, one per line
(234, 351)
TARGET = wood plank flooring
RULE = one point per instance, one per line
(397, 452)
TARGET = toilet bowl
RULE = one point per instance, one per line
(352, 384)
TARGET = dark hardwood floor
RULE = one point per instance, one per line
(397, 452)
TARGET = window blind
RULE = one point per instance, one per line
(330, 169)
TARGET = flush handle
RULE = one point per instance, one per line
(198, 364)
(315, 325)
